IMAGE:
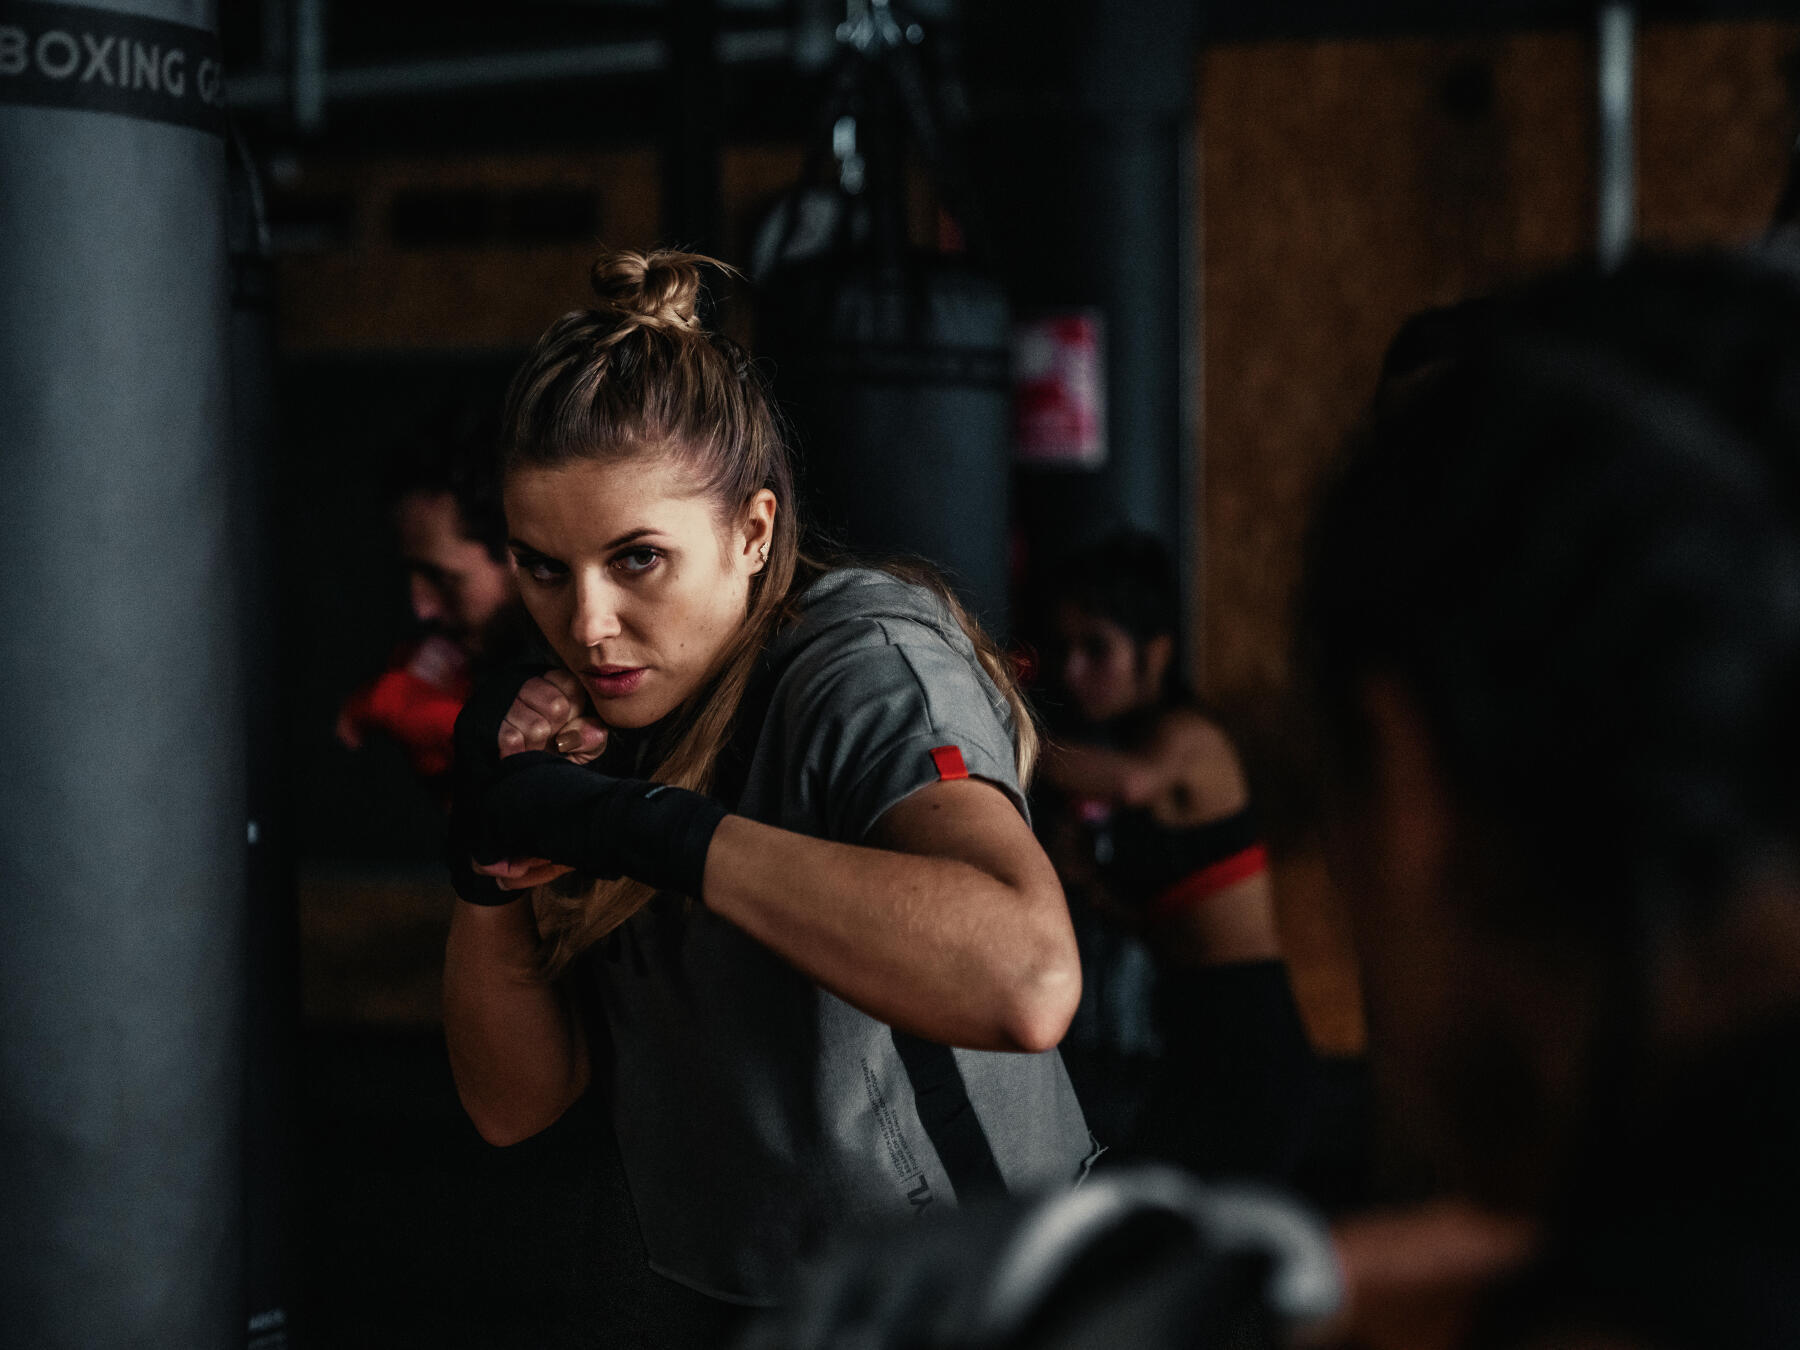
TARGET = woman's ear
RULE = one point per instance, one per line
(756, 530)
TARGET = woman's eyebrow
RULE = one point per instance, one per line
(630, 535)
(520, 546)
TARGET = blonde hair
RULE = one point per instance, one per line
(639, 374)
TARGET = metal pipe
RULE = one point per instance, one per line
(1082, 166)
(263, 89)
(1615, 171)
(277, 33)
(306, 84)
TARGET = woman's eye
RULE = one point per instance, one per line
(541, 569)
(637, 560)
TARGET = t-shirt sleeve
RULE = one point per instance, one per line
(871, 725)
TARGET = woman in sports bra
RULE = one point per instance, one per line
(1150, 823)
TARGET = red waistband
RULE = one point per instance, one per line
(1196, 887)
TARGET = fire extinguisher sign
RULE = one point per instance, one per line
(1059, 390)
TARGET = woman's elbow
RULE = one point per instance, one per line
(504, 1126)
(504, 1129)
(507, 1111)
(1044, 999)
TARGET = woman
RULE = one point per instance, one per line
(1552, 621)
(1157, 782)
(798, 868)
(1150, 824)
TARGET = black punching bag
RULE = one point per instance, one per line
(895, 376)
(122, 826)
(892, 363)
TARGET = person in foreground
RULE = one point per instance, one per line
(751, 857)
(1553, 625)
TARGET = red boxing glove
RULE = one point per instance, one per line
(415, 704)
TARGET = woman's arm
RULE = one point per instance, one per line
(1187, 776)
(1188, 773)
(1132, 778)
(953, 927)
(517, 1048)
(951, 924)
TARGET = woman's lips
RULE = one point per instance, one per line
(614, 681)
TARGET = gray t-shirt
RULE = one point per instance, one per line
(756, 1112)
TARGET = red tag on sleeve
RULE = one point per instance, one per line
(949, 763)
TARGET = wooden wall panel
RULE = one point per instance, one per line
(1715, 120)
(1346, 185)
(369, 294)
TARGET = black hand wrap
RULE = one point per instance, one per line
(539, 805)
(477, 744)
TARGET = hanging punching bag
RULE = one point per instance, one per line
(122, 828)
(896, 380)
(892, 363)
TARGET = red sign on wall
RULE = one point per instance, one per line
(1059, 390)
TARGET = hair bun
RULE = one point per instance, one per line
(660, 289)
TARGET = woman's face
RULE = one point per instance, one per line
(632, 577)
(1103, 669)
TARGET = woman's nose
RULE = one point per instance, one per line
(596, 616)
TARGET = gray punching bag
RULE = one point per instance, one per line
(892, 362)
(122, 827)
(895, 376)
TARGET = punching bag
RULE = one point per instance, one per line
(122, 825)
(892, 363)
(895, 376)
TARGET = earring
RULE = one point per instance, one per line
(762, 554)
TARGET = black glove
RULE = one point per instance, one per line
(539, 805)
(477, 758)
(476, 739)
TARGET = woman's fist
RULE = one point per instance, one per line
(550, 712)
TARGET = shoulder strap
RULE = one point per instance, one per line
(949, 1117)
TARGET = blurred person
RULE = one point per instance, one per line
(1552, 623)
(753, 856)
(451, 535)
(1187, 1036)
